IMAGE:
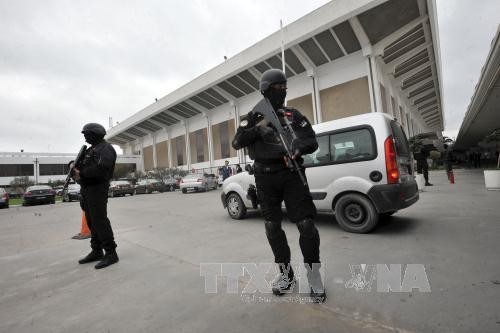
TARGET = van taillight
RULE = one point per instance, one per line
(391, 164)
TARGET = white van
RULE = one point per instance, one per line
(361, 170)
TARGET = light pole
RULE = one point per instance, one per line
(36, 170)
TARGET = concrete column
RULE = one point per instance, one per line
(210, 141)
(155, 158)
(376, 83)
(371, 88)
(239, 152)
(169, 144)
(141, 145)
(188, 146)
(316, 100)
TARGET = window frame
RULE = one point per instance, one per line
(344, 130)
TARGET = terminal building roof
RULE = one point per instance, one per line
(402, 32)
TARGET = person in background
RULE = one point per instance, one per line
(238, 168)
(226, 171)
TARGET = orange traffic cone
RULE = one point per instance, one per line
(84, 231)
(451, 177)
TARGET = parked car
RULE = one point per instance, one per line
(147, 186)
(72, 193)
(361, 171)
(39, 194)
(59, 190)
(4, 198)
(198, 182)
(120, 188)
(171, 184)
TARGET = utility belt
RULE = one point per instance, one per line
(269, 166)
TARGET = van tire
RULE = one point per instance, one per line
(235, 206)
(356, 213)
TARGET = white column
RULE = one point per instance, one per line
(141, 145)
(317, 98)
(237, 121)
(188, 146)
(210, 141)
(376, 83)
(169, 144)
(155, 158)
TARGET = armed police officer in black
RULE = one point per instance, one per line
(94, 175)
(276, 182)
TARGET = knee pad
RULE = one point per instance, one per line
(273, 229)
(307, 228)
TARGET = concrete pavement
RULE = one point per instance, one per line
(163, 238)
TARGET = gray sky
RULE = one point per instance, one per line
(66, 63)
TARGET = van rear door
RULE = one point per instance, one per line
(403, 152)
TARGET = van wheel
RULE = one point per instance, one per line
(356, 213)
(235, 206)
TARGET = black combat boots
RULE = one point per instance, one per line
(95, 255)
(318, 294)
(285, 281)
(110, 258)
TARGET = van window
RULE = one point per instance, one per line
(402, 146)
(350, 146)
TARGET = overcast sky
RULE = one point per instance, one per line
(66, 63)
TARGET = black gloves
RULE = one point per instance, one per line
(266, 133)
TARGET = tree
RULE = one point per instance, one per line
(21, 183)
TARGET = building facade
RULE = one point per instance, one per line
(45, 167)
(343, 59)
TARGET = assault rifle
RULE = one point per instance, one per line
(74, 164)
(284, 131)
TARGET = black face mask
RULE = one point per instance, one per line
(92, 138)
(276, 97)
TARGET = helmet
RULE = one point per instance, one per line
(271, 76)
(94, 128)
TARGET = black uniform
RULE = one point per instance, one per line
(95, 173)
(422, 166)
(276, 183)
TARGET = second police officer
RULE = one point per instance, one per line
(277, 183)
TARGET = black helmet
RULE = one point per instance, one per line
(94, 128)
(271, 76)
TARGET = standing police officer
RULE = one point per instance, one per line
(94, 175)
(277, 183)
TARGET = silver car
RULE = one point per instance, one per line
(198, 182)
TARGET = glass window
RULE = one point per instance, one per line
(402, 146)
(352, 146)
(322, 154)
(16, 170)
(53, 169)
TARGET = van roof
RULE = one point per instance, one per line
(371, 118)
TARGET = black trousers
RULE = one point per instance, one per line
(423, 167)
(94, 202)
(272, 190)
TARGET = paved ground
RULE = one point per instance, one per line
(156, 287)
